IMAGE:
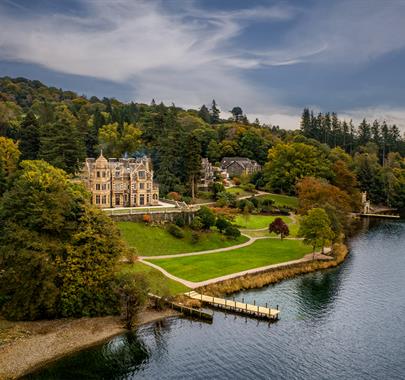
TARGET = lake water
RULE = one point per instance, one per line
(343, 323)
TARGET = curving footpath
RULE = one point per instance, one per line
(194, 285)
(217, 250)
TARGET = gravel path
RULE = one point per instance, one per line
(194, 285)
(245, 244)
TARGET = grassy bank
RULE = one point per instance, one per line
(260, 253)
(158, 282)
(155, 240)
(259, 280)
(282, 200)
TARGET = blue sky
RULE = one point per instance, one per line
(272, 58)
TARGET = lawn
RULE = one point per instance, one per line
(159, 283)
(260, 253)
(282, 200)
(257, 221)
(155, 241)
(238, 191)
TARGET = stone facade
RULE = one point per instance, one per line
(236, 166)
(124, 182)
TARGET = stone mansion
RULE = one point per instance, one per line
(124, 182)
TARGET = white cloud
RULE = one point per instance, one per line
(390, 115)
(190, 56)
(347, 31)
(184, 57)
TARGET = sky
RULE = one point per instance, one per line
(271, 58)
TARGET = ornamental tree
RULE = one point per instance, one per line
(279, 227)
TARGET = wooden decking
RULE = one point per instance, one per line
(183, 309)
(235, 306)
(389, 216)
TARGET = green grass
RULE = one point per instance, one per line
(282, 200)
(265, 233)
(159, 283)
(257, 221)
(260, 253)
(238, 191)
(156, 241)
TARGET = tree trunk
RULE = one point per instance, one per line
(192, 187)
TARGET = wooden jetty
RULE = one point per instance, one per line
(196, 313)
(235, 306)
(390, 216)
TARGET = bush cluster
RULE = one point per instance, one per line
(175, 231)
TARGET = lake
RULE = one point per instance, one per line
(343, 323)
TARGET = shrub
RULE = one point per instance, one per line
(132, 255)
(222, 223)
(284, 211)
(232, 232)
(147, 218)
(226, 199)
(207, 217)
(217, 188)
(249, 187)
(187, 199)
(195, 237)
(196, 224)
(236, 181)
(174, 196)
(179, 221)
(246, 205)
(205, 195)
(175, 231)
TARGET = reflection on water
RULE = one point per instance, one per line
(318, 291)
(115, 359)
(343, 323)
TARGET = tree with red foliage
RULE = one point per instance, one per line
(279, 227)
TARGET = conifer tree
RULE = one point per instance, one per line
(214, 113)
(204, 113)
(193, 162)
(29, 137)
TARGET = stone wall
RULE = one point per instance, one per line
(157, 216)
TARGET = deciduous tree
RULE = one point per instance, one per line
(279, 227)
(315, 229)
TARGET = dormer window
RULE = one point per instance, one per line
(141, 174)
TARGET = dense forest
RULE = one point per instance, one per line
(62, 128)
(50, 234)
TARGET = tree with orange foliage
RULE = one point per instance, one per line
(314, 192)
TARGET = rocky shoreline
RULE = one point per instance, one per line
(36, 344)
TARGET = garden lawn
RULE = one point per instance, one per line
(211, 265)
(238, 191)
(156, 241)
(158, 282)
(281, 200)
(252, 221)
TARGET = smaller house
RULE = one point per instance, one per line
(236, 166)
